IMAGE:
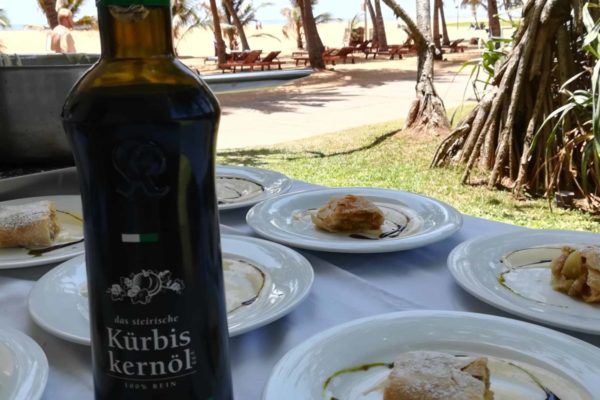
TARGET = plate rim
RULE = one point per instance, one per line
(303, 294)
(258, 323)
(34, 351)
(504, 304)
(283, 188)
(297, 351)
(39, 320)
(37, 261)
(453, 224)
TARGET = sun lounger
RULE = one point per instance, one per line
(344, 53)
(455, 46)
(270, 60)
(249, 61)
(328, 57)
(362, 47)
(300, 56)
(371, 49)
(390, 51)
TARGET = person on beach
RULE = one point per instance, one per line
(60, 39)
(62, 4)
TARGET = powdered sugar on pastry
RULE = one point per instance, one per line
(31, 224)
(427, 375)
(15, 216)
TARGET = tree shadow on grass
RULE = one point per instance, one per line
(258, 157)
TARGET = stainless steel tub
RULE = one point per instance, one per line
(31, 98)
(32, 95)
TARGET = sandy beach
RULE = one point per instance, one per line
(344, 96)
(199, 42)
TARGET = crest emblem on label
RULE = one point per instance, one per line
(141, 287)
(140, 164)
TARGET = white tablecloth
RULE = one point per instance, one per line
(347, 287)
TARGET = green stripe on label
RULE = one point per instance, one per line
(125, 3)
(139, 237)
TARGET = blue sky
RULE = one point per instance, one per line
(22, 12)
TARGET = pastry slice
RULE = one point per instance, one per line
(28, 225)
(348, 214)
(576, 272)
(428, 375)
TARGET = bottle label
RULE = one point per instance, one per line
(126, 3)
(159, 324)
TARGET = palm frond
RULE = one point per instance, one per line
(188, 15)
(4, 22)
(325, 17)
(262, 35)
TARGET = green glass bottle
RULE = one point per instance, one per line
(142, 127)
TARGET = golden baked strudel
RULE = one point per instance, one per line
(28, 225)
(348, 213)
(429, 375)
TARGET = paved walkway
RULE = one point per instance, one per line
(311, 108)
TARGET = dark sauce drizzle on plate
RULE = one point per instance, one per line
(41, 252)
(394, 233)
(252, 299)
(364, 367)
(501, 278)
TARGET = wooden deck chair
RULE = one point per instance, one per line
(360, 48)
(372, 49)
(300, 56)
(249, 62)
(329, 56)
(455, 46)
(390, 51)
(269, 60)
(344, 53)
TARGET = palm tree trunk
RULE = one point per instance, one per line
(445, 37)
(49, 7)
(436, 25)
(427, 112)
(313, 40)
(493, 21)
(219, 44)
(299, 41)
(375, 37)
(380, 27)
(474, 12)
(238, 24)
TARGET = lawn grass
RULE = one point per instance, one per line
(378, 156)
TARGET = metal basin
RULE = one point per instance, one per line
(31, 99)
(34, 87)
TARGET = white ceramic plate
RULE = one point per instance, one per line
(302, 372)
(239, 187)
(19, 257)
(477, 267)
(286, 219)
(59, 305)
(23, 367)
